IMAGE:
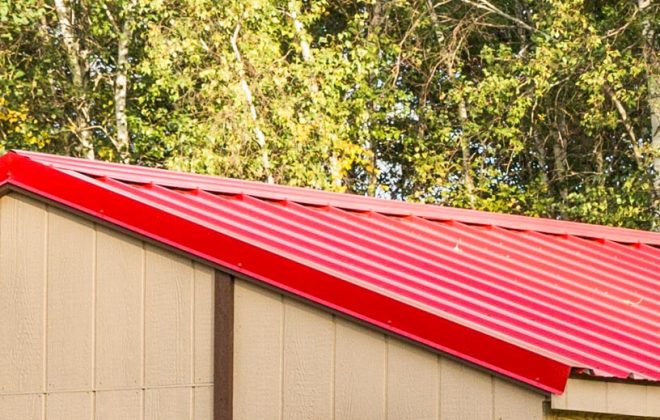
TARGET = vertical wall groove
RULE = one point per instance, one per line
(193, 328)
(386, 376)
(439, 363)
(492, 397)
(281, 349)
(333, 368)
(45, 309)
(94, 309)
(44, 397)
(143, 321)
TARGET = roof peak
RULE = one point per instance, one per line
(347, 201)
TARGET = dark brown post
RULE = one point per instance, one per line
(224, 347)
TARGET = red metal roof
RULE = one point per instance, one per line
(527, 298)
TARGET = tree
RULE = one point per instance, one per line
(551, 97)
(649, 22)
(538, 107)
(66, 64)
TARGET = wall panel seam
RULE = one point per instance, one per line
(386, 375)
(193, 326)
(46, 280)
(492, 397)
(282, 335)
(143, 330)
(94, 308)
(439, 379)
(333, 392)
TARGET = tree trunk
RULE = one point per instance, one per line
(306, 53)
(465, 151)
(373, 173)
(74, 59)
(462, 113)
(261, 138)
(541, 158)
(374, 28)
(623, 114)
(560, 154)
(490, 7)
(121, 87)
(600, 161)
(653, 85)
(654, 105)
(436, 24)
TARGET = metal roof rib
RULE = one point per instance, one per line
(528, 298)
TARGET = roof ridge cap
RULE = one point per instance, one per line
(347, 201)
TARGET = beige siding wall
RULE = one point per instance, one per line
(97, 325)
(617, 398)
(294, 361)
(578, 415)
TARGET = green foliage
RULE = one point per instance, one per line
(361, 96)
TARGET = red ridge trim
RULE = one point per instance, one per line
(253, 262)
(345, 201)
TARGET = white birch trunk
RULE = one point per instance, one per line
(121, 88)
(653, 85)
(306, 53)
(259, 134)
(74, 58)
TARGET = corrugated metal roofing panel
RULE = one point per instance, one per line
(575, 295)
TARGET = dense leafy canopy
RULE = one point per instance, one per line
(538, 107)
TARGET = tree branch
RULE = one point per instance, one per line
(488, 6)
(626, 123)
(121, 84)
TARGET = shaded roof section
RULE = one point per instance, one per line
(527, 298)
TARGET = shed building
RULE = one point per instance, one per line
(135, 293)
